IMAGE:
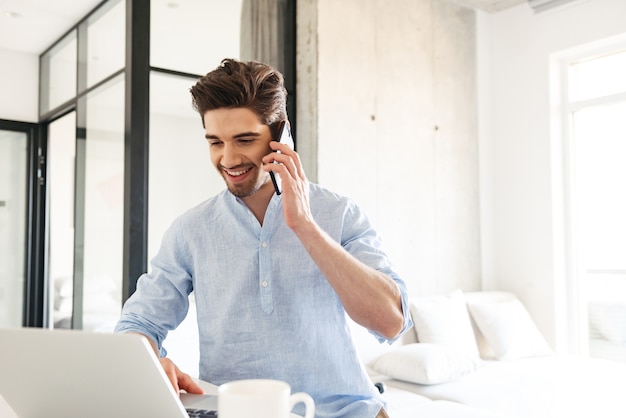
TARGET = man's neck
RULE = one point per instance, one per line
(258, 202)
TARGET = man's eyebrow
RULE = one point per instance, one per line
(240, 135)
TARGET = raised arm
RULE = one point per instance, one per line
(370, 297)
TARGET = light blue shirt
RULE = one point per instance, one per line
(264, 308)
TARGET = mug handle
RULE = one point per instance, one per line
(301, 397)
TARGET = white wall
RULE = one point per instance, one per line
(397, 132)
(520, 213)
(19, 84)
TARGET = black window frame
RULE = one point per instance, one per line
(137, 74)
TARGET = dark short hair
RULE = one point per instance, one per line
(252, 85)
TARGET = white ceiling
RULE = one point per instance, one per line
(31, 25)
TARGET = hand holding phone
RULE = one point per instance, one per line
(283, 135)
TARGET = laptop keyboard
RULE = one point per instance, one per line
(201, 413)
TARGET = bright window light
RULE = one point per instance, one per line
(598, 76)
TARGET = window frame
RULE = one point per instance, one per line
(572, 315)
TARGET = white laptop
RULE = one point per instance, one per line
(66, 374)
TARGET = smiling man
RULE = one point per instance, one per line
(274, 275)
(235, 153)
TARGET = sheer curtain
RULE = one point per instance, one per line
(262, 31)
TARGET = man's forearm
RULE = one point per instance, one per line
(370, 297)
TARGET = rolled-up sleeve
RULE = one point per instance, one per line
(361, 240)
(161, 300)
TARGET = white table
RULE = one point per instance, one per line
(209, 389)
(5, 409)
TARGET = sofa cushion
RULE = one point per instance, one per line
(509, 329)
(444, 320)
(484, 296)
(537, 387)
(425, 363)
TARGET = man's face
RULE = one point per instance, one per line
(237, 142)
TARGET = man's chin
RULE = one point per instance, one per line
(246, 190)
(241, 191)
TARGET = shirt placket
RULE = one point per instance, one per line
(265, 280)
(265, 259)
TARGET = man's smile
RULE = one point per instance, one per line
(237, 173)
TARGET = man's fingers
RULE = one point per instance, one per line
(189, 385)
(291, 162)
(179, 380)
(171, 371)
(279, 146)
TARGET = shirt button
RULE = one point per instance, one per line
(264, 244)
(264, 283)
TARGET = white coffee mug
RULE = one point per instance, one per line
(260, 398)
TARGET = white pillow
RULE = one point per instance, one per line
(426, 364)
(509, 329)
(444, 319)
(484, 296)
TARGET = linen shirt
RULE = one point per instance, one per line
(264, 309)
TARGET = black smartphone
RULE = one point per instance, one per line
(282, 134)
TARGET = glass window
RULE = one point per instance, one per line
(180, 176)
(179, 155)
(58, 74)
(89, 201)
(598, 76)
(103, 243)
(209, 29)
(601, 149)
(598, 139)
(106, 45)
(13, 163)
(60, 208)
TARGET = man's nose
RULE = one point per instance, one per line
(230, 156)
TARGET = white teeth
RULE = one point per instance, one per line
(236, 173)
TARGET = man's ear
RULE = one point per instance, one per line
(276, 128)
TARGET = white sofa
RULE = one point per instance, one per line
(479, 354)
